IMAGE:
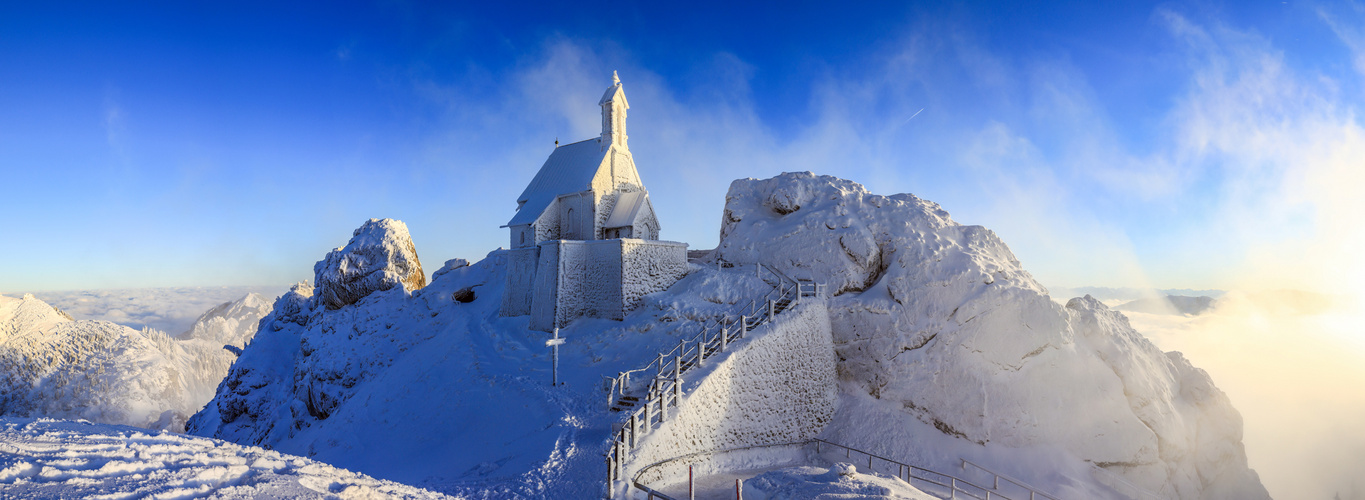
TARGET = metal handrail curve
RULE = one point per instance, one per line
(904, 471)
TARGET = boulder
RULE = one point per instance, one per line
(379, 257)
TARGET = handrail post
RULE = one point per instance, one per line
(743, 325)
(633, 422)
(772, 309)
(724, 333)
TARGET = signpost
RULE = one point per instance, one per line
(554, 344)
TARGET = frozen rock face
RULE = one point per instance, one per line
(53, 366)
(379, 256)
(230, 323)
(940, 322)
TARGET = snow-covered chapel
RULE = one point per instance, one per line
(585, 236)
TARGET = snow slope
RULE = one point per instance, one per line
(57, 459)
(937, 323)
(432, 387)
(53, 366)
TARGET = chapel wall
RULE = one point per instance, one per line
(649, 266)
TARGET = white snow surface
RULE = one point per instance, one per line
(54, 366)
(59, 459)
(937, 323)
(840, 481)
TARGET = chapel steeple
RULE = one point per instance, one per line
(614, 108)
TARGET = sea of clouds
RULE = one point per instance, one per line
(1291, 365)
(171, 310)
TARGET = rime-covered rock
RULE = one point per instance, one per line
(379, 257)
(939, 323)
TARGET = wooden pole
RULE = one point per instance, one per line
(691, 495)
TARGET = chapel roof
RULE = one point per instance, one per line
(569, 169)
(628, 206)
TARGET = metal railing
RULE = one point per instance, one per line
(1113, 480)
(1033, 493)
(664, 388)
(951, 486)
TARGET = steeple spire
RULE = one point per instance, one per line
(614, 108)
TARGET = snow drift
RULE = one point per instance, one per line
(54, 459)
(379, 256)
(54, 366)
(937, 322)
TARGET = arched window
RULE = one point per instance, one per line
(570, 226)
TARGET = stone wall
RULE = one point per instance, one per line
(598, 279)
(649, 266)
(521, 276)
(545, 286)
(780, 387)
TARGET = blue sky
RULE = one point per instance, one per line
(1203, 144)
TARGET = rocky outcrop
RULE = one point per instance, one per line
(379, 257)
(939, 322)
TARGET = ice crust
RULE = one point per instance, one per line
(54, 366)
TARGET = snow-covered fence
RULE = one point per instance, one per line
(953, 485)
(717, 333)
(1121, 485)
(664, 389)
(1033, 493)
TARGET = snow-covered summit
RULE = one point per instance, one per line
(230, 323)
(54, 366)
(937, 323)
(946, 349)
(379, 256)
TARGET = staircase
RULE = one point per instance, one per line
(647, 404)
